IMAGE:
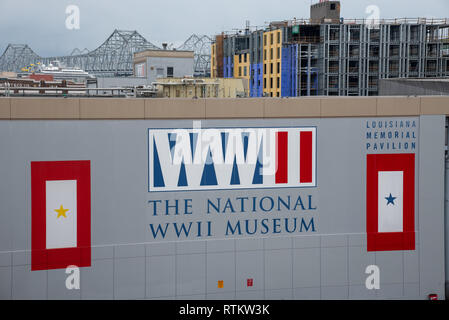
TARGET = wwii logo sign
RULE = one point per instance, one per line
(231, 158)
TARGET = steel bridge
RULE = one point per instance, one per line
(201, 46)
(113, 58)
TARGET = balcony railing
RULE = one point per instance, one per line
(398, 21)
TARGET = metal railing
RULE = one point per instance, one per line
(66, 91)
(427, 21)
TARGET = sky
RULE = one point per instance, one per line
(42, 24)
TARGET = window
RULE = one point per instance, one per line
(159, 72)
(271, 38)
(265, 54)
(278, 67)
(278, 82)
(265, 68)
(277, 94)
(245, 56)
(139, 70)
(244, 71)
(279, 36)
(264, 83)
(333, 6)
(265, 40)
(271, 83)
(169, 72)
(279, 53)
(240, 71)
(271, 68)
(271, 53)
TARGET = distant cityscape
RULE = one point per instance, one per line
(325, 55)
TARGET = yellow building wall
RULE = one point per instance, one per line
(272, 65)
(232, 88)
(185, 91)
(242, 66)
(208, 88)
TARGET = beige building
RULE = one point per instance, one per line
(202, 87)
(8, 74)
(155, 64)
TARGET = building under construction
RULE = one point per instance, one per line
(328, 55)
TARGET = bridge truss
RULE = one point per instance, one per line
(113, 58)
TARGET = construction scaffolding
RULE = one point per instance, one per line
(353, 57)
(330, 55)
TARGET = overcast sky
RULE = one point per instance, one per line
(41, 24)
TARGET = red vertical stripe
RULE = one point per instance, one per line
(282, 157)
(305, 157)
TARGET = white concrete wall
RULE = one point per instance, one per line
(181, 67)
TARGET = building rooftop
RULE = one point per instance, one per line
(441, 22)
(164, 53)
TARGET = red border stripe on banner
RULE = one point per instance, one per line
(42, 258)
(305, 156)
(389, 241)
(282, 157)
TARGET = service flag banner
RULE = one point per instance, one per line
(390, 201)
(60, 214)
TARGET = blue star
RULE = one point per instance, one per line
(390, 199)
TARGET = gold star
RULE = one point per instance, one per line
(61, 212)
